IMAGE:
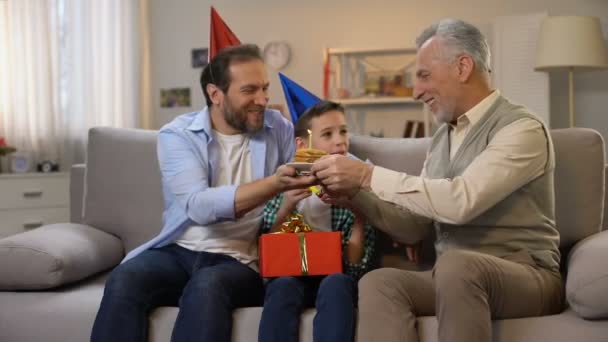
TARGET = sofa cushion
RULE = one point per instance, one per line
(587, 282)
(55, 254)
(563, 327)
(245, 326)
(404, 155)
(579, 183)
(63, 314)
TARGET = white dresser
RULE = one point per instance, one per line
(30, 200)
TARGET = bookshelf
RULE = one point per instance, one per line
(375, 86)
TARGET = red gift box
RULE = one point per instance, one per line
(298, 254)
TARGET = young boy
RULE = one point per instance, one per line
(334, 295)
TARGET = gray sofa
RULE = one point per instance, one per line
(52, 278)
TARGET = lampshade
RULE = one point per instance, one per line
(571, 42)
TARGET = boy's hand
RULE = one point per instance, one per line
(292, 197)
(340, 201)
(335, 199)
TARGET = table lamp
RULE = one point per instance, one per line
(571, 42)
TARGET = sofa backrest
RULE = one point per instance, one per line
(579, 183)
(123, 189)
(579, 174)
(400, 154)
(123, 193)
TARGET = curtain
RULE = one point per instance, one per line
(29, 103)
(69, 65)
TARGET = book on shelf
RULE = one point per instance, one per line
(413, 129)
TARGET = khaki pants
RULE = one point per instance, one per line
(466, 290)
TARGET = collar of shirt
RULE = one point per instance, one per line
(473, 115)
(465, 122)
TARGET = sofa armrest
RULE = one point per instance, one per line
(76, 192)
(56, 254)
(587, 280)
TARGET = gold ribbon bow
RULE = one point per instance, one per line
(295, 224)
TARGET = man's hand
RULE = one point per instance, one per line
(341, 175)
(287, 179)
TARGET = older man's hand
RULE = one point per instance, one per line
(341, 175)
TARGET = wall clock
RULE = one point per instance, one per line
(277, 54)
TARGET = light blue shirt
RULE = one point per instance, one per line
(189, 160)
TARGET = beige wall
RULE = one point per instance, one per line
(310, 26)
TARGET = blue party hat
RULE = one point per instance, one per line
(298, 98)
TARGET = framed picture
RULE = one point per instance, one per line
(21, 162)
(175, 97)
(199, 57)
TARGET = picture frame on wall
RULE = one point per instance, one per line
(175, 97)
(200, 57)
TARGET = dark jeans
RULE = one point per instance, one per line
(206, 286)
(286, 297)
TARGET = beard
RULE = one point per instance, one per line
(443, 116)
(238, 118)
(445, 113)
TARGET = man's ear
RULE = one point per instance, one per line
(215, 93)
(465, 64)
(300, 143)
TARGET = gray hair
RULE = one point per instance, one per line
(459, 37)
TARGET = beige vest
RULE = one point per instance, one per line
(522, 226)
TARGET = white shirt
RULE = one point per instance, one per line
(234, 238)
(316, 213)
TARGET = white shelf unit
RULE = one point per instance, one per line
(31, 200)
(367, 81)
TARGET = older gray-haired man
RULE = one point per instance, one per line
(486, 187)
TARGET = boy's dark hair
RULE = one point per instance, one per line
(303, 124)
(218, 70)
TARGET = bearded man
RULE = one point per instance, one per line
(218, 170)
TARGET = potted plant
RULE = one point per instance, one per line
(4, 150)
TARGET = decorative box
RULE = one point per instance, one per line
(300, 254)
